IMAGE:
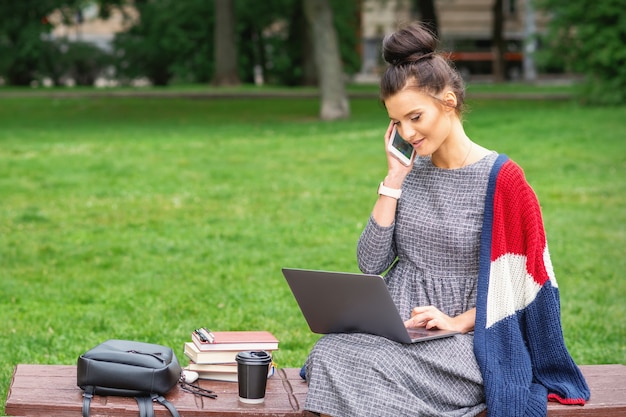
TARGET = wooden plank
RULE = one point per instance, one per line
(51, 391)
(608, 394)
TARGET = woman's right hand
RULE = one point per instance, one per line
(384, 212)
(396, 170)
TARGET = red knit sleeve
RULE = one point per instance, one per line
(519, 205)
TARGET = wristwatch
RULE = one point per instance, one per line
(389, 192)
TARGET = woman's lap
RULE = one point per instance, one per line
(360, 374)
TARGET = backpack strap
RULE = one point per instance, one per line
(143, 403)
(161, 400)
(145, 406)
(87, 396)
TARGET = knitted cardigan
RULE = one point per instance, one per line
(518, 339)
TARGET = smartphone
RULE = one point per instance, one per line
(401, 149)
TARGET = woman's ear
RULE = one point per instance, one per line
(449, 98)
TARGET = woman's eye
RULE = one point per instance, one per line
(416, 118)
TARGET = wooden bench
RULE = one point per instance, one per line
(51, 391)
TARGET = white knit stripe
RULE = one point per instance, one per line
(511, 287)
(549, 268)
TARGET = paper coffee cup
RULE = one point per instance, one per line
(252, 370)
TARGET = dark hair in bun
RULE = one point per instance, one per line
(415, 63)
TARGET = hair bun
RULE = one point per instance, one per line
(409, 45)
(415, 64)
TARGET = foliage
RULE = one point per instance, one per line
(273, 34)
(81, 61)
(85, 62)
(22, 25)
(172, 39)
(27, 53)
(347, 23)
(266, 38)
(590, 38)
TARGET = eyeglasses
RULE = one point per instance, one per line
(196, 390)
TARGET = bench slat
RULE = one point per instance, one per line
(51, 391)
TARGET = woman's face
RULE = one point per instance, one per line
(423, 121)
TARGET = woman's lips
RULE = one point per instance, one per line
(418, 143)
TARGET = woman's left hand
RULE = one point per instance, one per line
(431, 317)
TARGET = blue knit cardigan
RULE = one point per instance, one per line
(518, 341)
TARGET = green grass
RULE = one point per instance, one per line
(146, 218)
(366, 88)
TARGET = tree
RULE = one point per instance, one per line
(334, 100)
(226, 70)
(23, 24)
(297, 46)
(28, 53)
(590, 39)
(428, 14)
(174, 41)
(269, 36)
(171, 40)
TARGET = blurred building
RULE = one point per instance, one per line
(86, 26)
(465, 29)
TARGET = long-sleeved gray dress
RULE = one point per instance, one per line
(436, 239)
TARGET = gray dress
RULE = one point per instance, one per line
(435, 239)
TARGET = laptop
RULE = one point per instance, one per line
(341, 302)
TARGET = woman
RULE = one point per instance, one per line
(435, 227)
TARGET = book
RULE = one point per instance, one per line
(219, 376)
(229, 374)
(212, 367)
(214, 357)
(237, 340)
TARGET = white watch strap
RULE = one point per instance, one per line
(389, 192)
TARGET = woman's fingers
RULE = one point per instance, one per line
(429, 317)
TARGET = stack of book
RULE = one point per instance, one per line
(212, 354)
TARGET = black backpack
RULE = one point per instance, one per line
(129, 369)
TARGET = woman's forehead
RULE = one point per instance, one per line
(407, 101)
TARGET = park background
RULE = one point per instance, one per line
(145, 212)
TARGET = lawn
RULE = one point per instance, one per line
(146, 218)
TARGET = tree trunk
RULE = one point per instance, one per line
(309, 68)
(530, 42)
(498, 42)
(226, 69)
(428, 14)
(334, 100)
(301, 40)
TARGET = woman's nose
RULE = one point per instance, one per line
(407, 133)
